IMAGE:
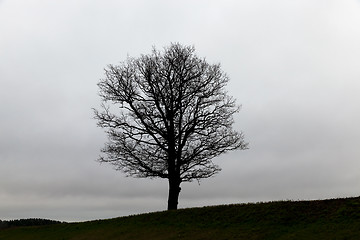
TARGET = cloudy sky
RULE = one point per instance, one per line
(294, 67)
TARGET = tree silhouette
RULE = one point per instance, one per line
(169, 116)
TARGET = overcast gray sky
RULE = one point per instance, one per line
(294, 66)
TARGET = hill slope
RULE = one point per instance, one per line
(326, 219)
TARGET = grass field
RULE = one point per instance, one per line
(325, 219)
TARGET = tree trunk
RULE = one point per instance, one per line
(174, 191)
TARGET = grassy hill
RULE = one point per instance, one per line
(325, 219)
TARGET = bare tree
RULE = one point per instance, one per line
(169, 116)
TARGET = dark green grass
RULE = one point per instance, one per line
(326, 219)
